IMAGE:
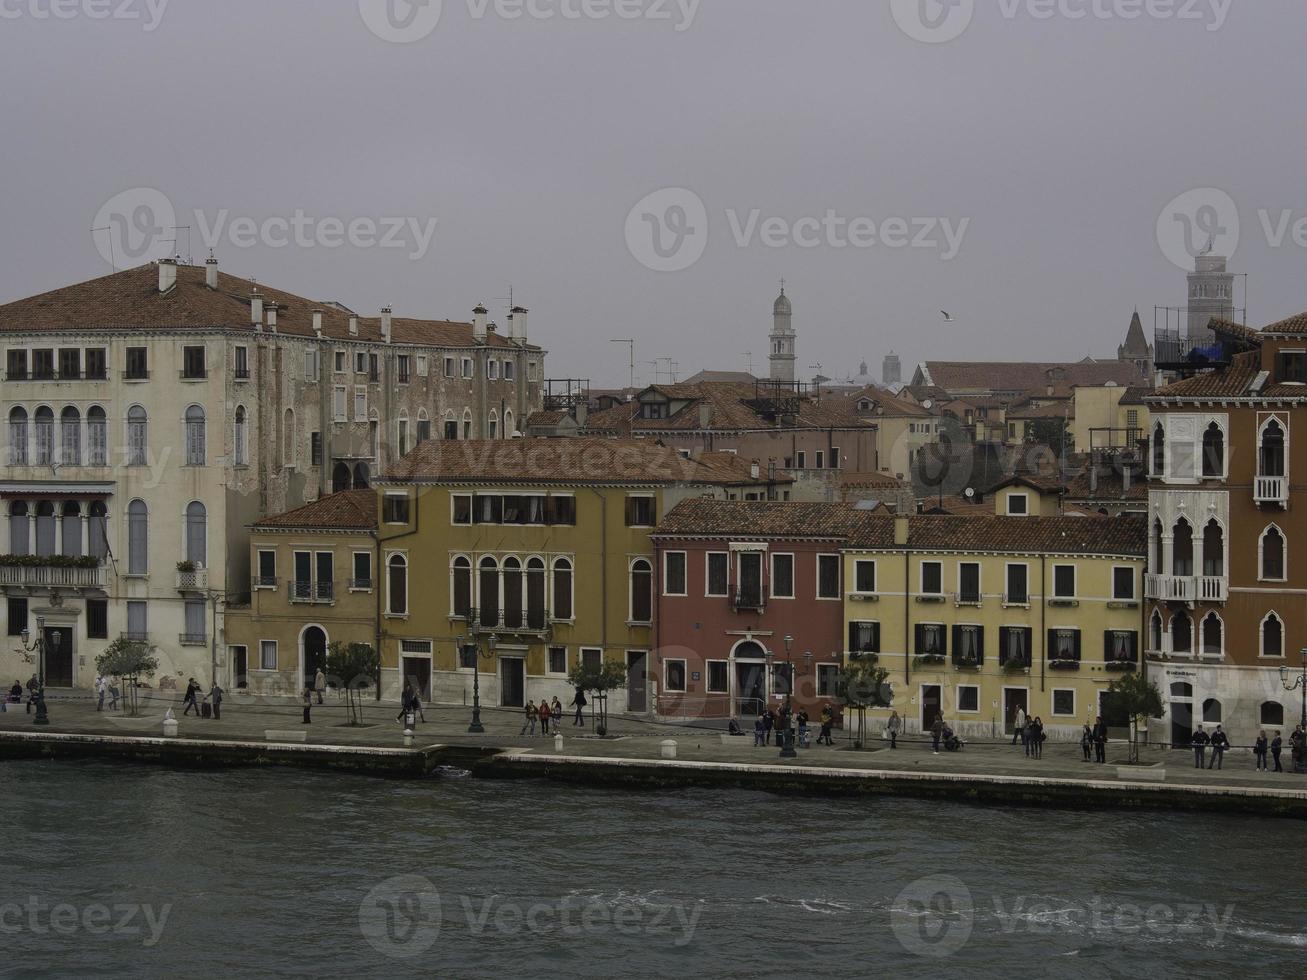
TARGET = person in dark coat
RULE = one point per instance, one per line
(936, 733)
(759, 732)
(405, 703)
(768, 722)
(1199, 742)
(1100, 740)
(1219, 744)
(307, 698)
(1259, 751)
(1086, 741)
(579, 702)
(215, 699)
(189, 701)
(1277, 744)
(827, 723)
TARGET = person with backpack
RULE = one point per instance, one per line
(1219, 744)
(579, 702)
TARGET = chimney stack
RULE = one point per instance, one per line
(256, 307)
(386, 324)
(755, 470)
(211, 272)
(705, 415)
(479, 324)
(353, 326)
(582, 413)
(517, 325)
(167, 274)
(317, 324)
(901, 529)
(272, 317)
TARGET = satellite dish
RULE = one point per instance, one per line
(928, 404)
(970, 492)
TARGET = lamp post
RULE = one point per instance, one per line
(787, 734)
(476, 728)
(42, 716)
(1299, 682)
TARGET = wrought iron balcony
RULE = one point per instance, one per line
(193, 639)
(753, 600)
(311, 592)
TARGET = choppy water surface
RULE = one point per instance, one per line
(114, 871)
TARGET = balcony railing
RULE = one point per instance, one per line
(195, 580)
(749, 599)
(360, 584)
(193, 639)
(1214, 588)
(136, 636)
(1171, 588)
(52, 577)
(1271, 490)
(314, 592)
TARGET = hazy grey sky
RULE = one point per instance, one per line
(1053, 143)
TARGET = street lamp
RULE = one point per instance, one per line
(1300, 759)
(476, 728)
(787, 736)
(42, 716)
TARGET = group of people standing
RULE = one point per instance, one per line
(787, 720)
(210, 705)
(1095, 739)
(547, 711)
(1030, 730)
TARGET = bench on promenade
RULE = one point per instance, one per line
(296, 735)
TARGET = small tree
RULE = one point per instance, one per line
(130, 660)
(865, 685)
(598, 681)
(1050, 431)
(1140, 699)
(356, 667)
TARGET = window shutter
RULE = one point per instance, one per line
(919, 631)
(1077, 646)
(980, 644)
(957, 639)
(1004, 644)
(853, 637)
(1050, 645)
(875, 637)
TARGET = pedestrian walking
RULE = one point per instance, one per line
(768, 723)
(415, 705)
(215, 699)
(936, 733)
(545, 712)
(1100, 740)
(320, 684)
(405, 703)
(759, 732)
(1259, 751)
(33, 686)
(1219, 744)
(190, 700)
(1297, 745)
(114, 693)
(1199, 741)
(1019, 726)
(1277, 744)
(579, 702)
(1086, 741)
(895, 723)
(532, 716)
(307, 698)
(101, 686)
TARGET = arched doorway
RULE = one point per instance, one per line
(313, 653)
(361, 476)
(340, 477)
(750, 678)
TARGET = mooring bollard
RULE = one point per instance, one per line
(558, 743)
(169, 725)
(669, 749)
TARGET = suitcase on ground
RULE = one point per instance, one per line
(206, 710)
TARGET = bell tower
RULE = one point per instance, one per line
(782, 354)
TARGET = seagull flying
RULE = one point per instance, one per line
(948, 317)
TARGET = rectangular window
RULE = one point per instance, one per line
(396, 508)
(864, 576)
(1018, 585)
(558, 660)
(17, 621)
(828, 576)
(930, 640)
(968, 645)
(449, 367)
(422, 366)
(828, 680)
(932, 578)
(310, 365)
(803, 460)
(360, 403)
(361, 571)
(267, 654)
(968, 698)
(1014, 646)
(719, 677)
(1018, 504)
(1292, 366)
(241, 363)
(864, 637)
(138, 622)
(969, 581)
(462, 509)
(467, 367)
(674, 676)
(1064, 581)
(674, 573)
(97, 619)
(70, 362)
(338, 406)
(361, 362)
(717, 573)
(1122, 647)
(402, 363)
(562, 511)
(1123, 584)
(267, 573)
(821, 459)
(467, 656)
(193, 618)
(193, 363)
(835, 457)
(640, 512)
(488, 509)
(43, 365)
(591, 658)
(16, 365)
(509, 373)
(782, 576)
(339, 362)
(374, 368)
(1064, 702)
(137, 367)
(1064, 646)
(492, 370)
(315, 448)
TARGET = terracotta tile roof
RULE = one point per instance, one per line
(734, 518)
(738, 377)
(1294, 326)
(1110, 486)
(1236, 330)
(131, 299)
(1227, 382)
(583, 461)
(1016, 535)
(869, 481)
(1024, 375)
(349, 510)
(545, 418)
(733, 468)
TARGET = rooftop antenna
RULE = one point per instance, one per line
(749, 355)
(630, 342)
(113, 259)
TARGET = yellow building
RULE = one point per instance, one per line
(312, 584)
(975, 617)
(542, 544)
(1108, 417)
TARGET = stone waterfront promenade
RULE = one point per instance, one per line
(252, 733)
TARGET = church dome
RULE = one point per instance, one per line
(782, 307)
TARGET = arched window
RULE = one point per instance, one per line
(1155, 631)
(1211, 712)
(20, 541)
(513, 596)
(340, 477)
(97, 437)
(641, 591)
(535, 594)
(70, 437)
(288, 438)
(467, 423)
(488, 592)
(362, 476)
(424, 427)
(1272, 554)
(18, 436)
(494, 424)
(402, 440)
(509, 430)
(1181, 689)
(99, 530)
(1272, 714)
(44, 436)
(137, 436)
(397, 586)
(72, 528)
(138, 538)
(197, 531)
(195, 436)
(1272, 636)
(1214, 451)
(1213, 635)
(239, 438)
(562, 589)
(462, 587)
(1270, 458)
(45, 529)
(1213, 549)
(1182, 549)
(451, 427)
(1182, 633)
(1156, 558)
(1159, 449)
